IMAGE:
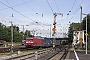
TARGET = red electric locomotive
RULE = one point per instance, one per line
(33, 41)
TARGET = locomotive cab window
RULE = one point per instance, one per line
(29, 38)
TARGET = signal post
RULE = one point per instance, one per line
(54, 29)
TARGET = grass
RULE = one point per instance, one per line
(8, 44)
(21, 52)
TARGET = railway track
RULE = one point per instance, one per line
(45, 54)
(15, 48)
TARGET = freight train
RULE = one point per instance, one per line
(37, 41)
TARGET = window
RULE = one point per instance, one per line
(29, 38)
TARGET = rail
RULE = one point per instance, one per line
(45, 54)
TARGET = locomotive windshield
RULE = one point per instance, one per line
(29, 38)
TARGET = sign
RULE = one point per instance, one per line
(80, 39)
(53, 29)
(86, 34)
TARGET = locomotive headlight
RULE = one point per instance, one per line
(31, 42)
(26, 42)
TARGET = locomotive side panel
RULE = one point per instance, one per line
(34, 41)
(40, 41)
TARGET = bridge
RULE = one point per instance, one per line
(60, 38)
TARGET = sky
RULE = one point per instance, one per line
(38, 14)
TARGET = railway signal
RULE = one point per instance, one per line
(80, 39)
(54, 29)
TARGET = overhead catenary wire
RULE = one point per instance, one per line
(30, 7)
(21, 14)
(7, 2)
(18, 12)
(71, 8)
(19, 4)
(13, 17)
(50, 7)
(56, 5)
(77, 9)
(73, 5)
(10, 6)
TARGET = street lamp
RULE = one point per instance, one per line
(86, 32)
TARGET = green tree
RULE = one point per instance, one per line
(5, 33)
(83, 26)
(73, 26)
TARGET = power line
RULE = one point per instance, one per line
(17, 11)
(19, 4)
(50, 6)
(77, 9)
(56, 6)
(7, 2)
(13, 17)
(30, 7)
(20, 13)
(12, 8)
(73, 5)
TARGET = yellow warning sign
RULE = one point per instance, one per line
(80, 39)
(86, 34)
(54, 29)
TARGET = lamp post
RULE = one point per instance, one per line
(86, 32)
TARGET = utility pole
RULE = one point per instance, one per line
(12, 32)
(86, 32)
(11, 37)
(80, 16)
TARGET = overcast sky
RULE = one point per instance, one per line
(28, 12)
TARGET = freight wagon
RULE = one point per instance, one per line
(34, 42)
